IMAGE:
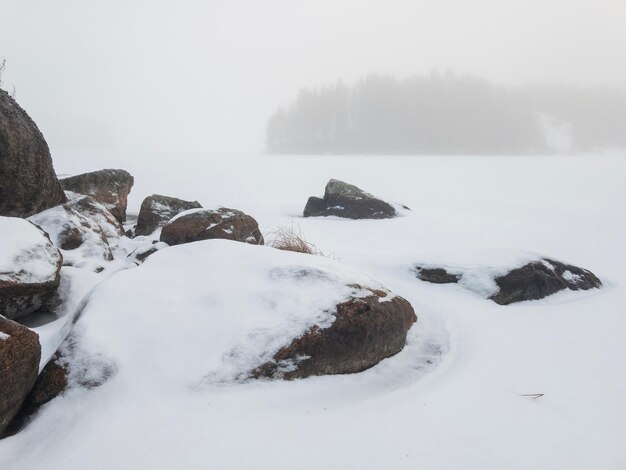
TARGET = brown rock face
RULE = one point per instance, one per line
(157, 210)
(108, 187)
(206, 224)
(540, 279)
(20, 353)
(365, 332)
(28, 183)
(50, 384)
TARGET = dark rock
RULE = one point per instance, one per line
(20, 353)
(31, 280)
(92, 209)
(345, 200)
(365, 331)
(205, 224)
(28, 183)
(540, 279)
(436, 275)
(157, 210)
(81, 239)
(108, 187)
(140, 254)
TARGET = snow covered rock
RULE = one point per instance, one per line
(531, 279)
(366, 330)
(204, 224)
(92, 209)
(28, 183)
(29, 268)
(346, 200)
(108, 187)
(80, 239)
(157, 210)
(19, 366)
(216, 311)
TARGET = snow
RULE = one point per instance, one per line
(451, 399)
(26, 255)
(4, 336)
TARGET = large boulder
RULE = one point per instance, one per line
(157, 210)
(29, 268)
(205, 224)
(95, 211)
(530, 278)
(346, 200)
(80, 239)
(20, 352)
(539, 279)
(108, 187)
(366, 330)
(28, 183)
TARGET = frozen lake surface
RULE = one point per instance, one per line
(467, 410)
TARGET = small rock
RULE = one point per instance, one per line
(436, 275)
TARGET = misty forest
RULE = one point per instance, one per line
(448, 114)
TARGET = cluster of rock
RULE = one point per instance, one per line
(81, 226)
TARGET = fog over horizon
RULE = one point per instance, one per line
(205, 77)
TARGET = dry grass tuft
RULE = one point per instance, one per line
(291, 238)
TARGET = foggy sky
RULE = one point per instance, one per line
(204, 76)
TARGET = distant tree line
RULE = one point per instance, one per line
(447, 114)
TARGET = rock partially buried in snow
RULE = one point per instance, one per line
(205, 224)
(157, 210)
(28, 183)
(81, 240)
(29, 268)
(217, 311)
(19, 365)
(532, 279)
(346, 200)
(95, 211)
(366, 330)
(540, 279)
(108, 187)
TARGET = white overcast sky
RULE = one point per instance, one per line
(203, 76)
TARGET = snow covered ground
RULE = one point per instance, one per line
(411, 411)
